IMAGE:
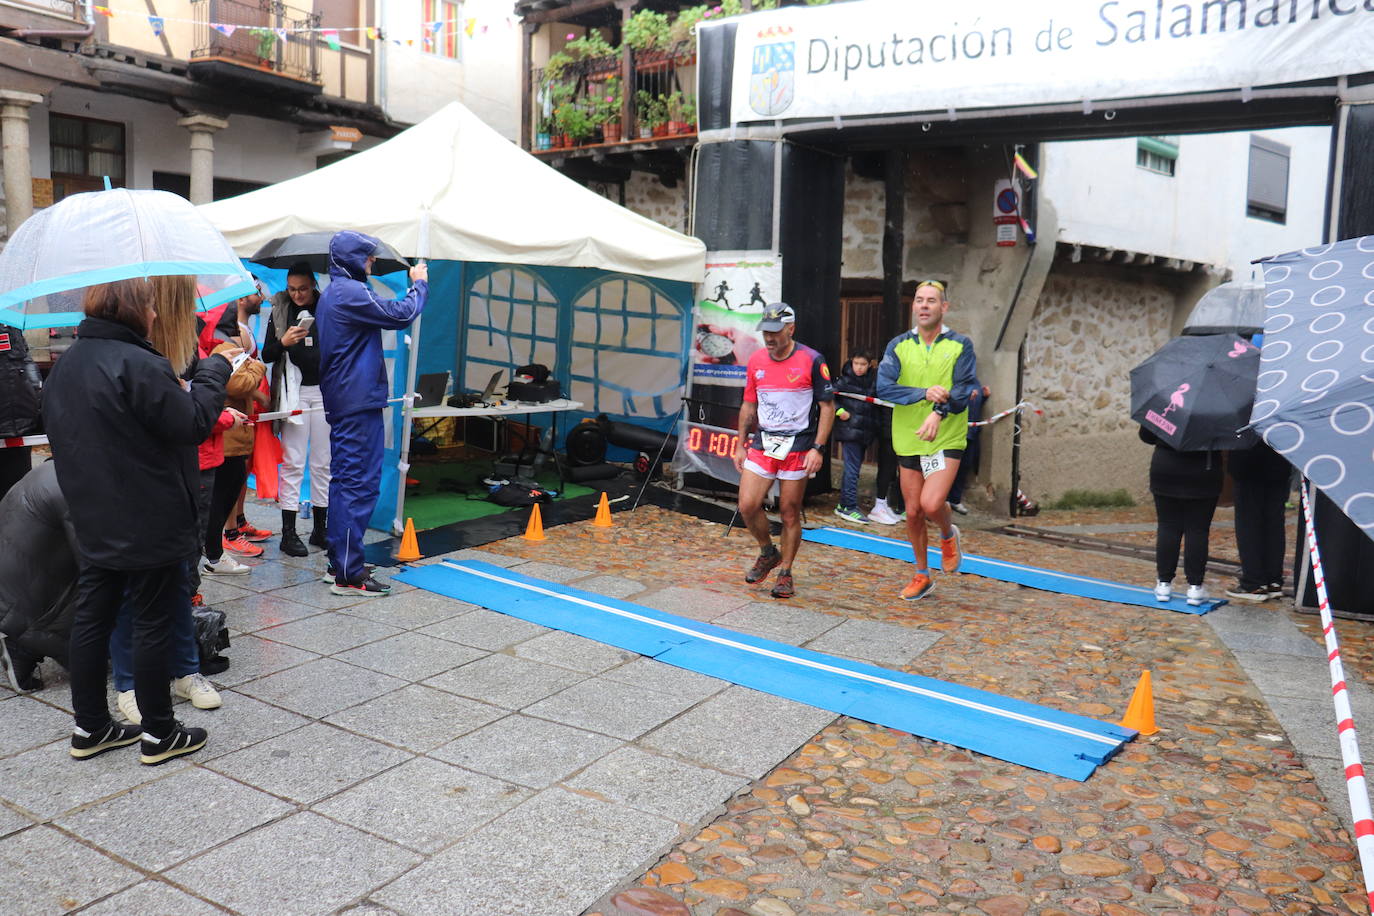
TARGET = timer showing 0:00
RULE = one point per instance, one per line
(722, 445)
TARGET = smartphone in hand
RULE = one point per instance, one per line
(305, 322)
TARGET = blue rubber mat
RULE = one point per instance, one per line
(1033, 736)
(1044, 579)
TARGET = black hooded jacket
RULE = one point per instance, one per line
(37, 565)
(124, 434)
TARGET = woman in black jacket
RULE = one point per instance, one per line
(124, 433)
(1185, 486)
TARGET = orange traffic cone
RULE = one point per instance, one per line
(410, 547)
(1140, 715)
(603, 513)
(534, 531)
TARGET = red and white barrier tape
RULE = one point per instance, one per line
(22, 441)
(992, 419)
(1355, 784)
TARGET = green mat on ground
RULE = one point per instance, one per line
(442, 496)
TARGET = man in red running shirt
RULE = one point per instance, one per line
(784, 426)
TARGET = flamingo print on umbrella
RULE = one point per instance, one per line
(1195, 392)
(1176, 399)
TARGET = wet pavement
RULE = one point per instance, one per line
(417, 755)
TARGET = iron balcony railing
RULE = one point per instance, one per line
(245, 32)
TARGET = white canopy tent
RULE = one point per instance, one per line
(452, 189)
(483, 199)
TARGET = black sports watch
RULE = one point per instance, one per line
(820, 447)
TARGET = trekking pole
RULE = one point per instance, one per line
(649, 475)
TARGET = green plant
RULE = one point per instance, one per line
(684, 26)
(589, 46)
(266, 42)
(1093, 499)
(574, 121)
(689, 110)
(607, 107)
(731, 7)
(646, 30)
(653, 109)
(558, 63)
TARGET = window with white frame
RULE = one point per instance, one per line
(1157, 154)
(1267, 190)
(512, 321)
(627, 345)
(441, 25)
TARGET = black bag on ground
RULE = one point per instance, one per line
(519, 494)
(212, 633)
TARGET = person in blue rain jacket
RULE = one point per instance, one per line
(349, 320)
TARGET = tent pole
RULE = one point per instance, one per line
(408, 405)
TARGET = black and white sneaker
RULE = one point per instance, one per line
(327, 577)
(92, 744)
(368, 587)
(181, 741)
(1249, 595)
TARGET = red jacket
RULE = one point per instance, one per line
(211, 451)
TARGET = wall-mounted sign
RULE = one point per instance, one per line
(892, 56)
(1006, 211)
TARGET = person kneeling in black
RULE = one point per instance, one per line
(124, 433)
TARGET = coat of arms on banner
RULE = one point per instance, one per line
(773, 83)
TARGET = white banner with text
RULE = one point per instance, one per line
(891, 56)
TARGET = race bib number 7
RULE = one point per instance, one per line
(931, 464)
(776, 445)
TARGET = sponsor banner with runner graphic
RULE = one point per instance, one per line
(889, 56)
(738, 285)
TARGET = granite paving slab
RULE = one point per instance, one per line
(303, 864)
(310, 763)
(47, 782)
(659, 785)
(318, 688)
(424, 804)
(411, 610)
(531, 752)
(256, 612)
(415, 717)
(11, 820)
(485, 629)
(413, 656)
(317, 594)
(610, 707)
(217, 590)
(27, 723)
(887, 645)
(612, 586)
(328, 634)
(45, 871)
(710, 733)
(506, 681)
(664, 678)
(194, 809)
(696, 603)
(550, 856)
(778, 622)
(152, 898)
(271, 574)
(251, 658)
(241, 721)
(567, 650)
(551, 572)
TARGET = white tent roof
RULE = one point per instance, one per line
(487, 200)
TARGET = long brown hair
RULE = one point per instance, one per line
(124, 302)
(174, 331)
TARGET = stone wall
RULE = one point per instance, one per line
(934, 195)
(646, 195)
(1092, 325)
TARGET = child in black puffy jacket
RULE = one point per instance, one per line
(855, 428)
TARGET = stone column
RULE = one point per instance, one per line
(14, 135)
(202, 128)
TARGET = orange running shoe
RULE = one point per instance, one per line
(241, 546)
(251, 533)
(919, 586)
(950, 555)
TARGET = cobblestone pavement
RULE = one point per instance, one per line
(316, 766)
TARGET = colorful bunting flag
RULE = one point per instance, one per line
(157, 22)
(105, 11)
(436, 26)
(471, 27)
(1025, 167)
(281, 34)
(225, 30)
(371, 33)
(331, 38)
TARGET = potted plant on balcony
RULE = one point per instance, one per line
(689, 115)
(608, 108)
(267, 41)
(601, 56)
(653, 115)
(574, 122)
(543, 137)
(683, 37)
(647, 33)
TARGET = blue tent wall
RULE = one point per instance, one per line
(445, 324)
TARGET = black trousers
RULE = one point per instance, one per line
(155, 595)
(229, 480)
(1186, 522)
(1260, 530)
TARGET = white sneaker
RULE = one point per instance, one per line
(959, 507)
(881, 514)
(1163, 591)
(225, 566)
(198, 690)
(128, 707)
(1196, 595)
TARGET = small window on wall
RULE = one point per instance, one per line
(1157, 154)
(1267, 197)
(84, 153)
(444, 40)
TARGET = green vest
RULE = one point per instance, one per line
(923, 367)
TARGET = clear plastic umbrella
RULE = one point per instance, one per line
(1235, 307)
(102, 236)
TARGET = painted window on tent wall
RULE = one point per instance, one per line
(512, 321)
(627, 345)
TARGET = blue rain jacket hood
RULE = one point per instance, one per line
(349, 320)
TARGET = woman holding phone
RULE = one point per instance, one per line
(293, 350)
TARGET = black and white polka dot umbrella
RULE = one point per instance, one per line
(1314, 397)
